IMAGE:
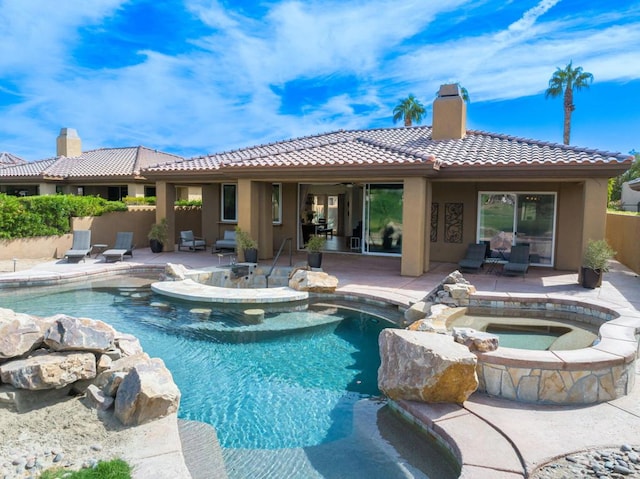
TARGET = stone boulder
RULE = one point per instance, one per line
(476, 340)
(146, 393)
(79, 334)
(416, 311)
(313, 281)
(128, 344)
(19, 334)
(49, 371)
(175, 272)
(425, 367)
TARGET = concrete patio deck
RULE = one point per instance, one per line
(495, 438)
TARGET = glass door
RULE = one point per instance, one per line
(383, 219)
(506, 219)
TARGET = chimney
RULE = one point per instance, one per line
(449, 114)
(68, 143)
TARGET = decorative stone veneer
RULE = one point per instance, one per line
(599, 373)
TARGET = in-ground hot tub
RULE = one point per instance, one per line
(601, 372)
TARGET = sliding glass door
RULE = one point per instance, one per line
(506, 219)
(383, 219)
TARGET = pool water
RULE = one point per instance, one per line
(296, 394)
(531, 333)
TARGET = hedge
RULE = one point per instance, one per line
(24, 217)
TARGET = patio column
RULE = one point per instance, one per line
(135, 189)
(254, 214)
(47, 189)
(416, 215)
(165, 200)
(594, 213)
(211, 212)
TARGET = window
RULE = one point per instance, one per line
(276, 203)
(229, 202)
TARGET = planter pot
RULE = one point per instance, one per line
(314, 260)
(591, 278)
(156, 246)
(251, 255)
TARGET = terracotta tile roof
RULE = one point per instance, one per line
(25, 170)
(104, 162)
(7, 159)
(399, 146)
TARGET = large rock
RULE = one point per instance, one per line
(425, 367)
(49, 371)
(476, 340)
(79, 334)
(313, 281)
(146, 393)
(19, 334)
(417, 311)
(128, 344)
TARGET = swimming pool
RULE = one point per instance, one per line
(303, 403)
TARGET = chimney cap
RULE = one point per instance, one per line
(451, 89)
(69, 132)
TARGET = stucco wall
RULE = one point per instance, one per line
(103, 230)
(623, 234)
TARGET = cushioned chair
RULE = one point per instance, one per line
(191, 242)
(227, 242)
(518, 261)
(124, 246)
(473, 258)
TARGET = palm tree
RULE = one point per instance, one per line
(410, 109)
(564, 82)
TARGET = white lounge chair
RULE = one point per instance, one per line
(81, 246)
(124, 246)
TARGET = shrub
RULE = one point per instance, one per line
(48, 215)
(597, 255)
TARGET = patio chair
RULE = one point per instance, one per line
(473, 258)
(227, 242)
(191, 242)
(518, 261)
(124, 246)
(81, 246)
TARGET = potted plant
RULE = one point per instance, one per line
(158, 235)
(247, 244)
(315, 245)
(595, 262)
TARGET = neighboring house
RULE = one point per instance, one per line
(7, 159)
(630, 200)
(111, 173)
(422, 193)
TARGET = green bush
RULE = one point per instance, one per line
(48, 215)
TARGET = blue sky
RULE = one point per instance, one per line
(201, 76)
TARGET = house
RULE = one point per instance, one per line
(112, 173)
(419, 193)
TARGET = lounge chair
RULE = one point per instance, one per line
(473, 258)
(124, 246)
(81, 246)
(227, 242)
(191, 242)
(518, 261)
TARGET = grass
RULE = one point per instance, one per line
(114, 469)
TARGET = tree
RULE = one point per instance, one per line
(564, 82)
(409, 109)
